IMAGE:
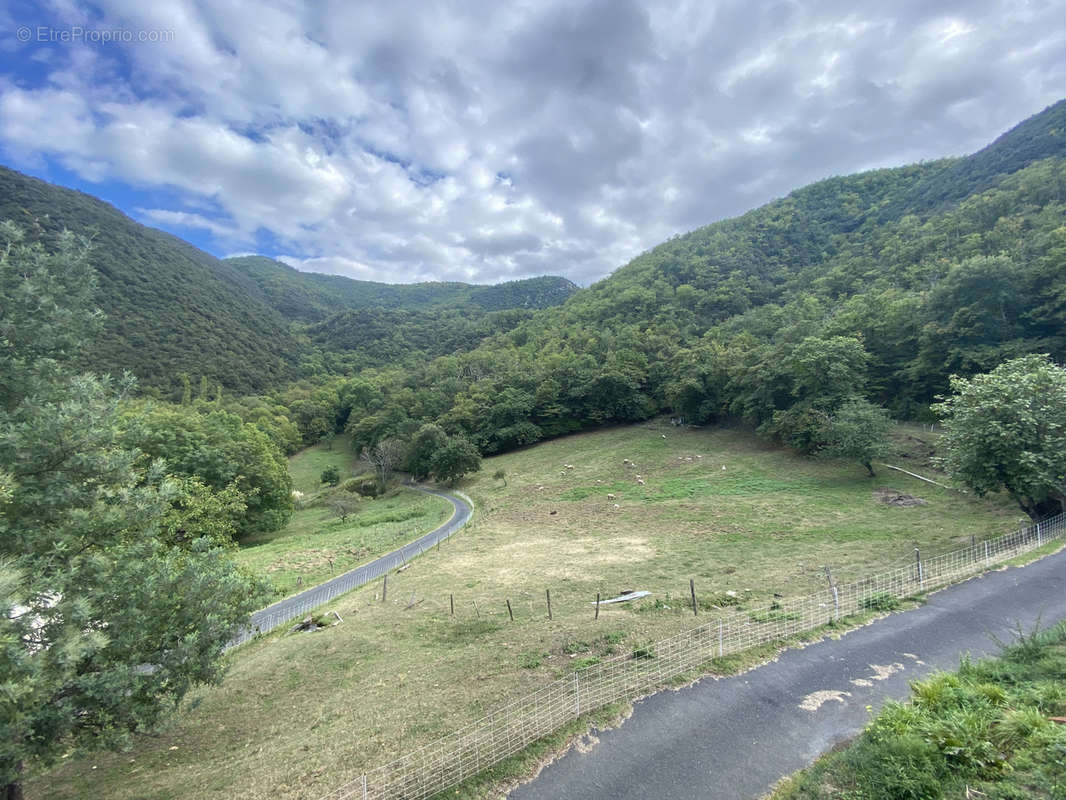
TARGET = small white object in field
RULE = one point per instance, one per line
(610, 497)
(563, 471)
(616, 506)
(730, 593)
(638, 477)
(723, 467)
(640, 481)
(699, 456)
(664, 435)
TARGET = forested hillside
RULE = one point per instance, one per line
(170, 308)
(872, 287)
(312, 297)
(853, 293)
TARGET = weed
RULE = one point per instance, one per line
(879, 601)
(644, 651)
(530, 659)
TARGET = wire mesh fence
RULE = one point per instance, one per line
(300, 605)
(458, 756)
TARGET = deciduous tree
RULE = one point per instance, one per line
(1006, 430)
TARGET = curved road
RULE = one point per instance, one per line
(733, 738)
(299, 604)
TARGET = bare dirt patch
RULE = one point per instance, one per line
(894, 497)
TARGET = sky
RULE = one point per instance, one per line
(489, 141)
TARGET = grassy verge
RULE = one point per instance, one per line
(300, 714)
(983, 732)
(319, 542)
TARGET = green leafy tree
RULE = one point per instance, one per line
(423, 446)
(117, 594)
(857, 431)
(220, 449)
(454, 459)
(1006, 430)
(331, 475)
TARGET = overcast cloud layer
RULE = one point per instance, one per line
(483, 142)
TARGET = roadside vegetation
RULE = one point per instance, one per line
(300, 714)
(994, 729)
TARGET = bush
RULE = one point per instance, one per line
(331, 475)
(879, 601)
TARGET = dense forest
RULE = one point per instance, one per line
(849, 295)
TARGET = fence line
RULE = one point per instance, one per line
(458, 756)
(301, 604)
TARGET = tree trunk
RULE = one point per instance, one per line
(870, 469)
(13, 790)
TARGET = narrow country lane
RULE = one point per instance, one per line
(733, 738)
(290, 608)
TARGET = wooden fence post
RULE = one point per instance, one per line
(597, 606)
(510, 613)
(692, 589)
(548, 594)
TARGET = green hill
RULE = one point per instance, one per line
(171, 308)
(880, 284)
(312, 297)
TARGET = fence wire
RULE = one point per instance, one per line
(458, 756)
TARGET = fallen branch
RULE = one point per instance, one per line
(919, 477)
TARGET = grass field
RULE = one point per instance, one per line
(300, 714)
(317, 543)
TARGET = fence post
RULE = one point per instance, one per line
(836, 604)
(384, 587)
(451, 600)
(692, 589)
(364, 786)
(548, 594)
(918, 561)
(577, 696)
(1039, 536)
(986, 551)
(721, 643)
(597, 606)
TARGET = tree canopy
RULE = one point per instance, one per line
(1006, 430)
(117, 591)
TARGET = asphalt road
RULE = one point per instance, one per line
(733, 738)
(300, 604)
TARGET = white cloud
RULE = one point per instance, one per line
(409, 141)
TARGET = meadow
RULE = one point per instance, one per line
(298, 715)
